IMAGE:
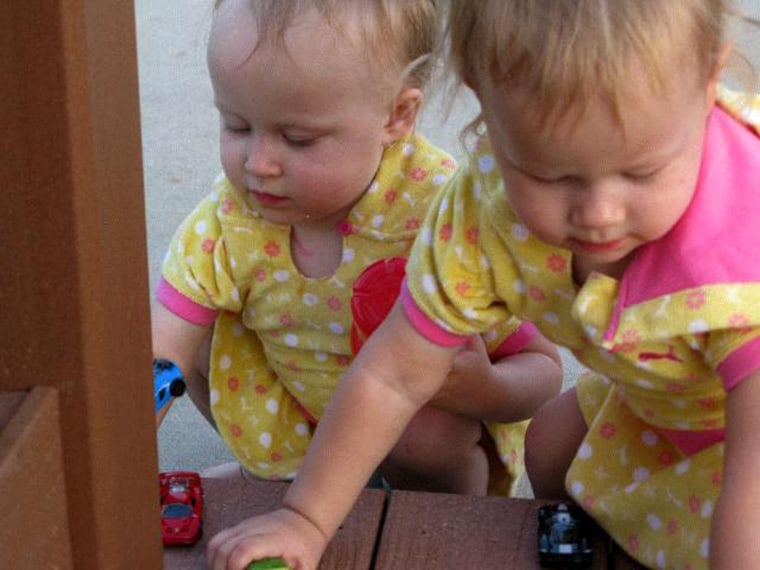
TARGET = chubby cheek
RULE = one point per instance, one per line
(232, 158)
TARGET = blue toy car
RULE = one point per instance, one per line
(564, 539)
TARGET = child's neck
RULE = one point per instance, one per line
(582, 269)
(317, 252)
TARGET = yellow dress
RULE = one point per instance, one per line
(665, 342)
(281, 340)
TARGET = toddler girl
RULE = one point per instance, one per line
(615, 205)
(324, 176)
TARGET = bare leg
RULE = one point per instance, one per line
(552, 440)
(439, 451)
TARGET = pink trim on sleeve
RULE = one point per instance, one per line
(515, 342)
(424, 325)
(182, 306)
(739, 364)
(691, 442)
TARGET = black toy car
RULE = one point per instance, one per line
(564, 539)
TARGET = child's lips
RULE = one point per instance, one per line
(599, 247)
(266, 199)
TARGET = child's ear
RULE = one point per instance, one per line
(718, 66)
(403, 115)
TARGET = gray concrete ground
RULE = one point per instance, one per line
(180, 152)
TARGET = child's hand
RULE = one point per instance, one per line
(282, 533)
(471, 365)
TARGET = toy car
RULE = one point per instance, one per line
(181, 507)
(268, 564)
(563, 537)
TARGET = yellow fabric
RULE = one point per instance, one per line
(654, 501)
(281, 340)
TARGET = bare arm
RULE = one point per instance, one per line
(174, 339)
(509, 390)
(733, 539)
(395, 374)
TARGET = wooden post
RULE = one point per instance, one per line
(73, 279)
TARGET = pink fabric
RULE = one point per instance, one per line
(516, 342)
(690, 442)
(183, 307)
(425, 326)
(739, 364)
(726, 194)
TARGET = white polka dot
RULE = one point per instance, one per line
(520, 232)
(519, 286)
(485, 163)
(576, 488)
(490, 336)
(291, 339)
(631, 488)
(426, 236)
(309, 299)
(189, 260)
(649, 438)
(704, 548)
(439, 179)
(654, 521)
(428, 284)
(640, 474)
(348, 255)
(698, 326)
(585, 451)
(644, 383)
(264, 466)
(237, 329)
(444, 205)
(477, 189)
(661, 561)
(374, 187)
(682, 467)
(408, 149)
(214, 197)
(225, 362)
(320, 357)
(235, 294)
(471, 314)
(707, 509)
(551, 318)
(213, 397)
(265, 439)
(337, 328)
(301, 429)
(272, 406)
(200, 227)
(377, 221)
(298, 386)
(281, 275)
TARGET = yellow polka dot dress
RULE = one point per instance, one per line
(665, 342)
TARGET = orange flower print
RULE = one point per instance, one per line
(556, 263)
(260, 389)
(208, 245)
(588, 502)
(343, 360)
(696, 299)
(462, 288)
(717, 478)
(233, 383)
(412, 224)
(472, 235)
(695, 503)
(537, 294)
(707, 403)
(739, 321)
(294, 366)
(390, 196)
(226, 206)
(666, 457)
(260, 275)
(607, 430)
(630, 340)
(272, 249)
(633, 543)
(286, 320)
(448, 163)
(418, 174)
(334, 304)
(444, 234)
(275, 457)
(673, 526)
(236, 430)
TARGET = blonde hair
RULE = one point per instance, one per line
(401, 32)
(561, 52)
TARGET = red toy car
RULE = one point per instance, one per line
(181, 507)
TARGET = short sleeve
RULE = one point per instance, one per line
(735, 354)
(197, 264)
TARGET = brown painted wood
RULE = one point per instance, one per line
(33, 510)
(230, 501)
(74, 288)
(441, 531)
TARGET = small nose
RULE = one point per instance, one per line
(597, 207)
(262, 157)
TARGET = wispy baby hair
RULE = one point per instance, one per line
(400, 36)
(562, 52)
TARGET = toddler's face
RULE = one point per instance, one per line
(590, 186)
(302, 128)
